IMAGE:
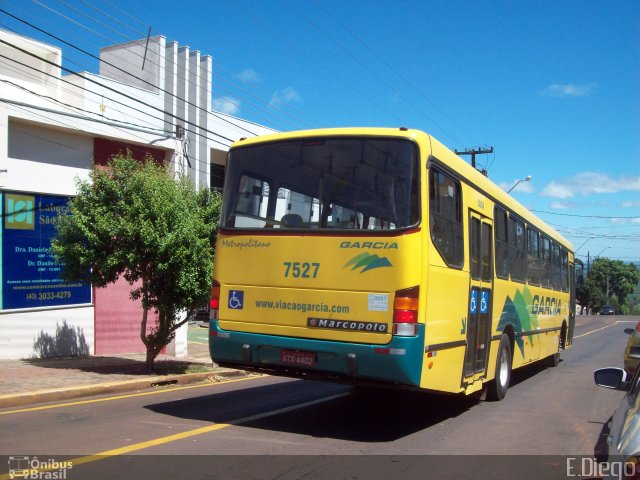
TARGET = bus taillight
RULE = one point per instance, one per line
(214, 303)
(405, 312)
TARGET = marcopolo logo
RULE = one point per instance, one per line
(350, 325)
(19, 212)
(367, 261)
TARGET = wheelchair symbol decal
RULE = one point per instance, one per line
(473, 307)
(484, 302)
(236, 299)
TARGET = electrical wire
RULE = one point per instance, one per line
(106, 87)
(586, 216)
(371, 72)
(393, 69)
(121, 69)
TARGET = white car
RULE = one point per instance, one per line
(624, 428)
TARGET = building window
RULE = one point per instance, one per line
(104, 149)
(217, 177)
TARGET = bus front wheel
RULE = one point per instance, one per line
(497, 388)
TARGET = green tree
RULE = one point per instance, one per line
(633, 301)
(615, 279)
(590, 296)
(133, 219)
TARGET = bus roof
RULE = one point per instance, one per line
(438, 150)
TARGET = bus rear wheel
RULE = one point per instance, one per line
(497, 388)
(553, 360)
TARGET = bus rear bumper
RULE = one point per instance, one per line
(398, 362)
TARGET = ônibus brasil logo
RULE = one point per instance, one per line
(368, 261)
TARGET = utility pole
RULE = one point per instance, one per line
(473, 152)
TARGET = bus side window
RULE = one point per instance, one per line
(517, 252)
(502, 245)
(556, 275)
(565, 270)
(533, 255)
(445, 208)
(545, 261)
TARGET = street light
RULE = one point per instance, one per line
(525, 179)
(605, 248)
(583, 244)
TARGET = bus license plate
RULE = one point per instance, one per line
(299, 359)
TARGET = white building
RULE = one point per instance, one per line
(54, 126)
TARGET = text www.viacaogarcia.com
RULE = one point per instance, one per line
(302, 307)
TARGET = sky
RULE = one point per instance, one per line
(553, 87)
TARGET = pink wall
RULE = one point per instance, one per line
(117, 322)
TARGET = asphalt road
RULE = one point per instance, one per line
(268, 427)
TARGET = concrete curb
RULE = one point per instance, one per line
(81, 391)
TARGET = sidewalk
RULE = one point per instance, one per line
(30, 381)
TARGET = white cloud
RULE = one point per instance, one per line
(249, 76)
(229, 105)
(563, 205)
(630, 204)
(568, 90)
(588, 183)
(287, 95)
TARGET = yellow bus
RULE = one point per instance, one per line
(379, 257)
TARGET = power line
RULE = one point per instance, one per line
(122, 70)
(359, 91)
(269, 112)
(130, 97)
(118, 124)
(368, 69)
(587, 216)
(116, 67)
(394, 70)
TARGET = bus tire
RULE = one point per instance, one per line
(497, 388)
(553, 360)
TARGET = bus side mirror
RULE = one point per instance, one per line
(579, 274)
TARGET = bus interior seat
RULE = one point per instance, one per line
(292, 220)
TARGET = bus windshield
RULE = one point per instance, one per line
(323, 183)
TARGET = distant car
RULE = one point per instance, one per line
(200, 316)
(632, 352)
(624, 428)
(607, 310)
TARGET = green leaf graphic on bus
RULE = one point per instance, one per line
(368, 261)
(516, 313)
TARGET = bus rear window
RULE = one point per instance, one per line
(323, 183)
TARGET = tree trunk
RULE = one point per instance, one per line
(151, 356)
(147, 342)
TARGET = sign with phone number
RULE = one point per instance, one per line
(30, 275)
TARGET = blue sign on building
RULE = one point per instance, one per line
(30, 275)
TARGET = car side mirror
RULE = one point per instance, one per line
(614, 378)
(629, 331)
